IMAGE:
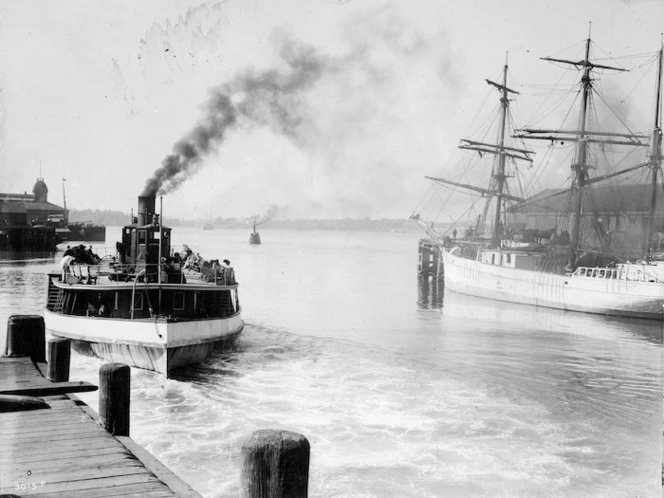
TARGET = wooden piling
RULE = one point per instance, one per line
(114, 396)
(275, 465)
(26, 336)
(59, 353)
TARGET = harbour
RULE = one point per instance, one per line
(332, 249)
(534, 401)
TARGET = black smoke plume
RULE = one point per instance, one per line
(272, 211)
(269, 98)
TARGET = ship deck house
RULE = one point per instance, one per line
(618, 210)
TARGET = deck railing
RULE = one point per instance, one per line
(638, 274)
(117, 272)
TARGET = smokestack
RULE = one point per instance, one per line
(146, 207)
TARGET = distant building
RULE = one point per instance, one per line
(618, 210)
(20, 210)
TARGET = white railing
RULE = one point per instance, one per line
(632, 273)
(116, 272)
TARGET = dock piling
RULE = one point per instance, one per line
(114, 396)
(26, 336)
(275, 465)
(59, 353)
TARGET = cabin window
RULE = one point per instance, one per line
(138, 301)
(508, 258)
(493, 259)
(116, 301)
(178, 301)
(601, 274)
(141, 236)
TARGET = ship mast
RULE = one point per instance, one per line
(655, 157)
(580, 168)
(499, 175)
(583, 137)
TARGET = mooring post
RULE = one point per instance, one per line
(26, 336)
(275, 465)
(59, 353)
(114, 394)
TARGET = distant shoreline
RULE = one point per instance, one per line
(117, 218)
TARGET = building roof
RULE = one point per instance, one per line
(43, 206)
(12, 207)
(608, 199)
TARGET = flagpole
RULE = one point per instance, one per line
(64, 201)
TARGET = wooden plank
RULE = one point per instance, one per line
(160, 470)
(38, 389)
(73, 462)
(84, 452)
(54, 477)
(31, 431)
(33, 422)
(59, 445)
(21, 376)
(152, 489)
(60, 442)
(68, 487)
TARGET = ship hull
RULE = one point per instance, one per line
(604, 296)
(158, 345)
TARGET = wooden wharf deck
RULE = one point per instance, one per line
(62, 451)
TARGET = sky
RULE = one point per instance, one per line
(322, 108)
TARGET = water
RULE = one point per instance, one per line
(401, 389)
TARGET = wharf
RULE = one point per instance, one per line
(60, 450)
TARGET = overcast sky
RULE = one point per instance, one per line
(341, 107)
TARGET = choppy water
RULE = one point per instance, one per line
(401, 389)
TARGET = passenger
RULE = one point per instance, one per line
(69, 251)
(229, 273)
(217, 271)
(65, 262)
(190, 263)
(163, 269)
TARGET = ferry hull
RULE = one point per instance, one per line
(156, 345)
(590, 295)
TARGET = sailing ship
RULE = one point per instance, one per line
(580, 260)
(142, 307)
(254, 237)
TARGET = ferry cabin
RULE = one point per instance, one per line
(145, 282)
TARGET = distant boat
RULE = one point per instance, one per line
(133, 310)
(588, 254)
(208, 226)
(83, 231)
(255, 237)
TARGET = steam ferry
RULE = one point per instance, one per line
(142, 307)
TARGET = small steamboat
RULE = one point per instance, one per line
(143, 308)
(254, 237)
